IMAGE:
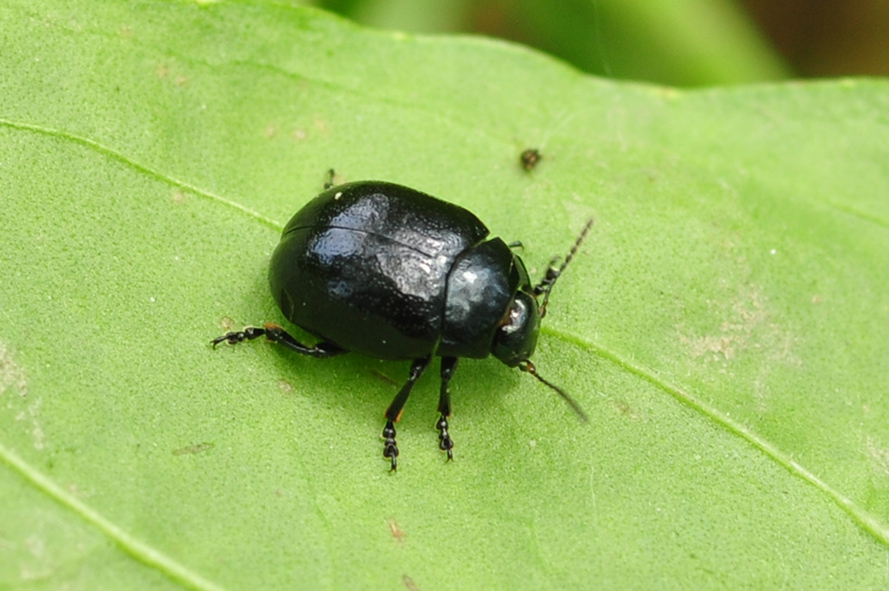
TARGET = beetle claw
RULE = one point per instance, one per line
(391, 448)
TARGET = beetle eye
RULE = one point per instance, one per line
(515, 316)
(516, 338)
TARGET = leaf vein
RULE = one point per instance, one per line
(132, 546)
(871, 524)
(143, 168)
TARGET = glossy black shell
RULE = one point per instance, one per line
(393, 273)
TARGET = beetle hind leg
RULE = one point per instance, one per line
(393, 413)
(276, 334)
(448, 367)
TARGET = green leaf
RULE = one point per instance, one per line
(724, 325)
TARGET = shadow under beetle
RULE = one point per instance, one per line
(392, 273)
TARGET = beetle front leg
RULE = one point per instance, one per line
(329, 184)
(393, 413)
(448, 367)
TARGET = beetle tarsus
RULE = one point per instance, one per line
(445, 441)
(235, 337)
(393, 413)
(391, 449)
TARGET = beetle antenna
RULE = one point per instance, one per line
(546, 284)
(528, 367)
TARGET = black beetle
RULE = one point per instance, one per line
(392, 273)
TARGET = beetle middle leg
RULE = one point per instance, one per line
(448, 367)
(393, 413)
(276, 334)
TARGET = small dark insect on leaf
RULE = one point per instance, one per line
(530, 158)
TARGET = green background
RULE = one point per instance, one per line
(724, 324)
(676, 42)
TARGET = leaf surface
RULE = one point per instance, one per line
(723, 325)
